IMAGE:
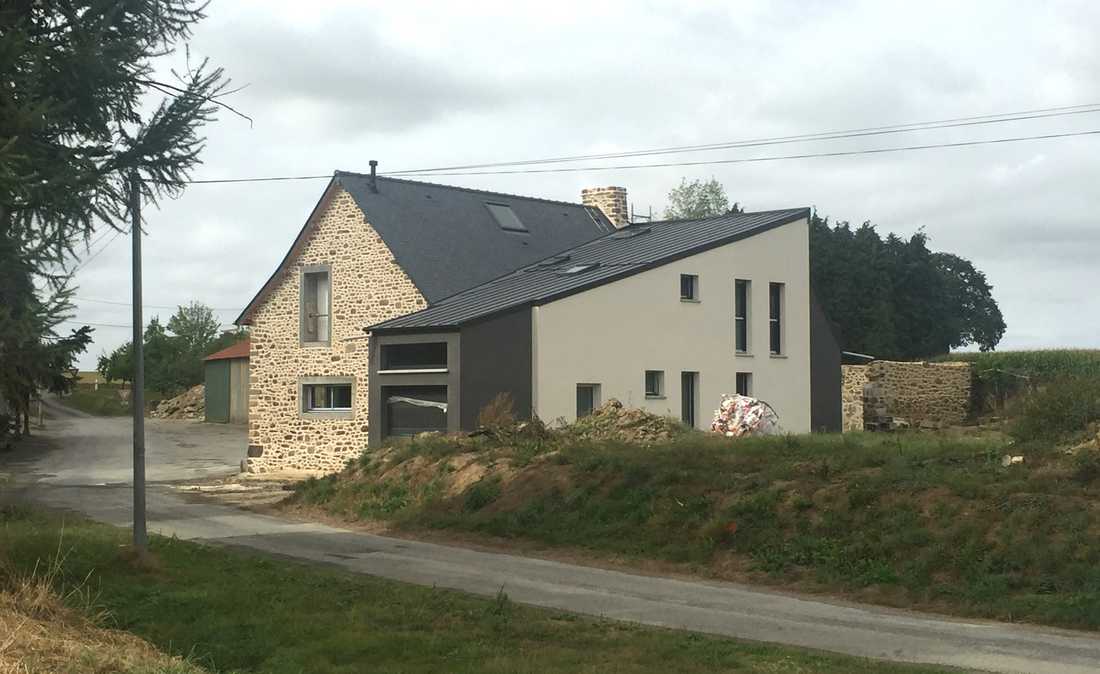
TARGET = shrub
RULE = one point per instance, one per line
(1060, 409)
(1000, 376)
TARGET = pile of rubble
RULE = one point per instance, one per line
(191, 404)
(611, 421)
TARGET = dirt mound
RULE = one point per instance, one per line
(191, 404)
(612, 421)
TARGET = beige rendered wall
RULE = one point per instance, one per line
(612, 334)
(367, 287)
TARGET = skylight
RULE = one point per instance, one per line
(549, 263)
(506, 217)
(630, 232)
(580, 268)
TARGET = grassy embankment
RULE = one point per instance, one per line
(230, 611)
(931, 521)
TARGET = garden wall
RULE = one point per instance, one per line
(890, 394)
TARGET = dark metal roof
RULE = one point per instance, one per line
(615, 256)
(447, 239)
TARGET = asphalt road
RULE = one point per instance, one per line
(82, 464)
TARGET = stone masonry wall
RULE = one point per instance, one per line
(891, 394)
(610, 200)
(854, 378)
(368, 286)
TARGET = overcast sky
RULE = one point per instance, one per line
(334, 84)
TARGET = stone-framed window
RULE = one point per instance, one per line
(326, 397)
(315, 305)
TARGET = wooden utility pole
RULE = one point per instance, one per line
(137, 392)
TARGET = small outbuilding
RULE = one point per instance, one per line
(227, 384)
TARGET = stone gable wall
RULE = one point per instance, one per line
(368, 286)
(892, 394)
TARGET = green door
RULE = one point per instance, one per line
(217, 391)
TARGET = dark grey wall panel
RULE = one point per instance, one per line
(496, 358)
(825, 375)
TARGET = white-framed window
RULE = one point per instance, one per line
(654, 383)
(775, 318)
(742, 294)
(330, 396)
(315, 305)
(689, 287)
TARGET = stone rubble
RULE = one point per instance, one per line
(191, 404)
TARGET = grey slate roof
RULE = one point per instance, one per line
(446, 239)
(618, 255)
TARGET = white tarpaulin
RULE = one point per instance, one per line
(418, 402)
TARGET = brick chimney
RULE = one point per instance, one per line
(610, 200)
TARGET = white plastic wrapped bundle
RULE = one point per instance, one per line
(741, 416)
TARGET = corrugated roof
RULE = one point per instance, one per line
(606, 259)
(238, 350)
(447, 239)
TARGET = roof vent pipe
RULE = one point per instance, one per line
(373, 176)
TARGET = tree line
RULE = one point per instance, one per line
(891, 297)
(174, 352)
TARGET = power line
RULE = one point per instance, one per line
(780, 140)
(221, 326)
(744, 160)
(86, 261)
(147, 306)
(997, 118)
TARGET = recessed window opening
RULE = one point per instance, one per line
(581, 268)
(414, 409)
(506, 218)
(588, 399)
(414, 356)
(315, 306)
(775, 317)
(744, 383)
(741, 293)
(654, 383)
(326, 397)
(689, 287)
(689, 392)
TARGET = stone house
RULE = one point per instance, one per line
(375, 248)
(664, 316)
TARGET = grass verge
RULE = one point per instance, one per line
(233, 611)
(933, 522)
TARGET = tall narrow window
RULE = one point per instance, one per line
(775, 317)
(316, 306)
(689, 386)
(689, 287)
(741, 293)
(744, 383)
(588, 398)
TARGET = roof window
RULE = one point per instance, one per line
(630, 232)
(548, 263)
(580, 268)
(506, 218)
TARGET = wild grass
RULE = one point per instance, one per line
(920, 520)
(48, 624)
(999, 376)
(232, 611)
